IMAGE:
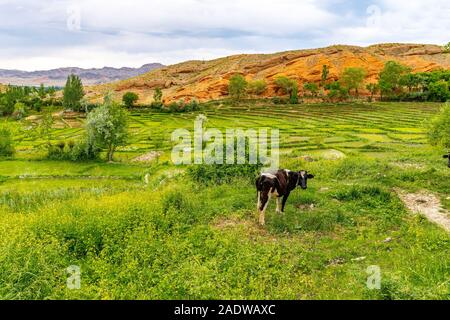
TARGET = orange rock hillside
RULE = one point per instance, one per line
(207, 80)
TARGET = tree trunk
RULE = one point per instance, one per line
(111, 150)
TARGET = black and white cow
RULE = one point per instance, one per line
(279, 185)
(447, 156)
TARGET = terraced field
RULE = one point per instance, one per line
(173, 238)
(375, 129)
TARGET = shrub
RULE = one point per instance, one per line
(6, 142)
(237, 87)
(289, 87)
(257, 87)
(129, 99)
(439, 128)
(279, 100)
(438, 91)
(223, 173)
(78, 151)
(336, 91)
(83, 151)
(312, 88)
(20, 111)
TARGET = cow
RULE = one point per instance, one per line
(279, 185)
(447, 156)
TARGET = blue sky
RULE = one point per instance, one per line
(46, 34)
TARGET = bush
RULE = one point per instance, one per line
(237, 87)
(73, 151)
(279, 100)
(336, 91)
(6, 142)
(83, 151)
(177, 107)
(257, 87)
(438, 91)
(439, 128)
(312, 88)
(129, 99)
(223, 173)
(20, 111)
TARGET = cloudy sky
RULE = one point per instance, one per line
(36, 35)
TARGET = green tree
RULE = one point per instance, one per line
(439, 128)
(20, 110)
(353, 78)
(158, 95)
(410, 80)
(73, 93)
(312, 88)
(288, 86)
(373, 88)
(6, 142)
(42, 92)
(129, 99)
(257, 87)
(390, 77)
(336, 92)
(438, 91)
(325, 73)
(107, 127)
(12, 95)
(293, 97)
(237, 87)
(44, 129)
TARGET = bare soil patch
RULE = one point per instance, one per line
(407, 165)
(428, 205)
(147, 157)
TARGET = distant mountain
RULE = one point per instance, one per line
(58, 77)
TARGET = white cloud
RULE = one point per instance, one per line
(34, 35)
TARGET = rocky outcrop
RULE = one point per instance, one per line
(206, 80)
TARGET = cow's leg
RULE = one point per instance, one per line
(286, 196)
(258, 206)
(278, 205)
(263, 206)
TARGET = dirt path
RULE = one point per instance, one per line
(428, 205)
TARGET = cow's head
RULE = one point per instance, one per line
(447, 156)
(303, 177)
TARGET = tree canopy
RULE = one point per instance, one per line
(73, 93)
(237, 87)
(439, 128)
(107, 127)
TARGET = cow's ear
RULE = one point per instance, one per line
(446, 156)
(310, 176)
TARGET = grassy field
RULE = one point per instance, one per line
(175, 239)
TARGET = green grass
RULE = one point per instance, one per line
(175, 239)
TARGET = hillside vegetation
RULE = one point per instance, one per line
(206, 80)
